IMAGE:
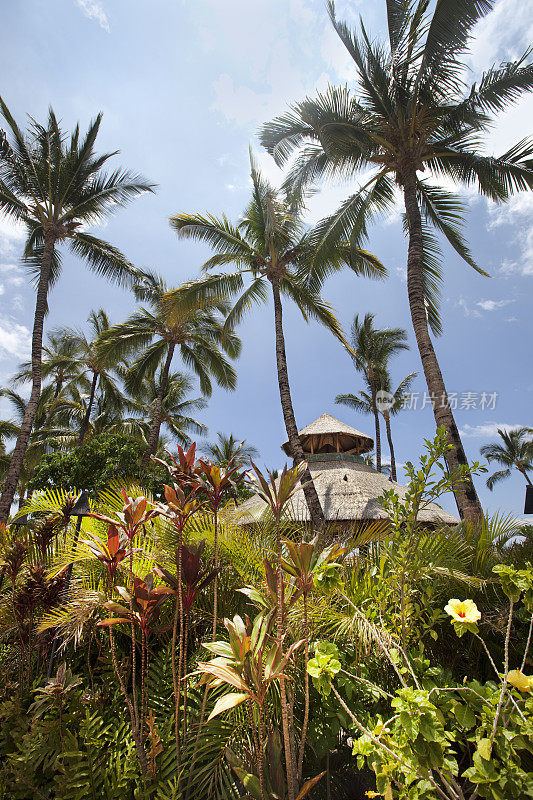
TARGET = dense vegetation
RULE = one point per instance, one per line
(154, 642)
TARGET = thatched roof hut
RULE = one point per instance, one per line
(329, 435)
(347, 487)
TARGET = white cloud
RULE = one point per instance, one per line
(94, 10)
(301, 12)
(11, 237)
(493, 305)
(14, 340)
(518, 211)
(12, 274)
(486, 430)
(504, 33)
(476, 309)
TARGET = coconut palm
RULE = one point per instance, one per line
(55, 186)
(8, 429)
(372, 349)
(176, 407)
(388, 404)
(230, 448)
(59, 365)
(411, 114)
(271, 246)
(514, 452)
(154, 333)
(96, 366)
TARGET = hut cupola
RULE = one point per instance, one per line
(327, 438)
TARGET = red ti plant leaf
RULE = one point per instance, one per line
(133, 518)
(111, 553)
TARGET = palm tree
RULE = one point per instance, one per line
(54, 186)
(230, 448)
(59, 365)
(94, 364)
(271, 246)
(515, 452)
(412, 114)
(176, 407)
(155, 332)
(388, 405)
(372, 349)
(8, 429)
(394, 403)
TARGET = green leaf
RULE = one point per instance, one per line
(484, 748)
(464, 716)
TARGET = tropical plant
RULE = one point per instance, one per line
(306, 564)
(372, 349)
(59, 365)
(514, 452)
(54, 186)
(92, 366)
(182, 503)
(452, 742)
(250, 664)
(176, 407)
(277, 492)
(228, 449)
(96, 464)
(412, 113)
(154, 333)
(270, 246)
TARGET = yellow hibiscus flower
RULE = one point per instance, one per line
(519, 680)
(463, 610)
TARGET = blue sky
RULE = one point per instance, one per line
(184, 87)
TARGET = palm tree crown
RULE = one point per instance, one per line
(514, 452)
(411, 114)
(157, 329)
(94, 364)
(230, 448)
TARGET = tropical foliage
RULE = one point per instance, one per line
(155, 644)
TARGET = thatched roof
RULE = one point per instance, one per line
(348, 491)
(326, 430)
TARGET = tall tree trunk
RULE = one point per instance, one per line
(23, 438)
(87, 417)
(311, 496)
(391, 447)
(466, 497)
(378, 433)
(158, 409)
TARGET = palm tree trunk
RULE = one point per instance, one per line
(158, 410)
(465, 494)
(87, 417)
(378, 433)
(391, 447)
(311, 496)
(23, 438)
